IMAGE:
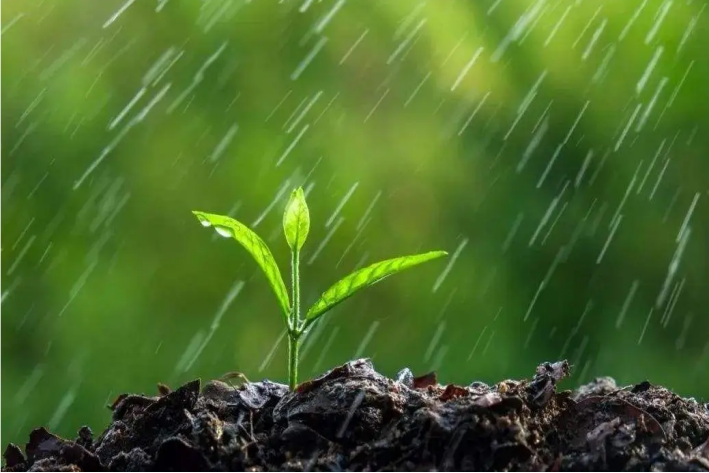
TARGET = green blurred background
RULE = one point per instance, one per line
(557, 150)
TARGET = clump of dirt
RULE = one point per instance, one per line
(353, 418)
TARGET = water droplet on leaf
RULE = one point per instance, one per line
(224, 231)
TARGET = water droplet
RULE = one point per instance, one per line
(204, 221)
(224, 231)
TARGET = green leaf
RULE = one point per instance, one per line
(296, 220)
(230, 228)
(364, 277)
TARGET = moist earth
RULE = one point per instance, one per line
(353, 418)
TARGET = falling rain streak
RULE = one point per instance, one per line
(467, 67)
(452, 259)
(214, 326)
(121, 135)
(118, 13)
(224, 143)
(341, 204)
(309, 58)
(292, 144)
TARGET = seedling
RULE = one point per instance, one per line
(296, 225)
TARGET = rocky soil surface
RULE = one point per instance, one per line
(353, 418)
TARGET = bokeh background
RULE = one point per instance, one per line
(557, 150)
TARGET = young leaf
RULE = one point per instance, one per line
(228, 227)
(296, 220)
(364, 277)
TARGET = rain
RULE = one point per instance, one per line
(556, 150)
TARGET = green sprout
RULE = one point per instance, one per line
(296, 226)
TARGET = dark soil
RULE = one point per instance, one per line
(353, 418)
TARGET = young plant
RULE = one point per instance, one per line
(296, 226)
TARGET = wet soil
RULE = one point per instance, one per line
(353, 418)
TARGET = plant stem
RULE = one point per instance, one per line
(295, 286)
(293, 348)
(293, 333)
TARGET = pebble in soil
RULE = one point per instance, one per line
(353, 418)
